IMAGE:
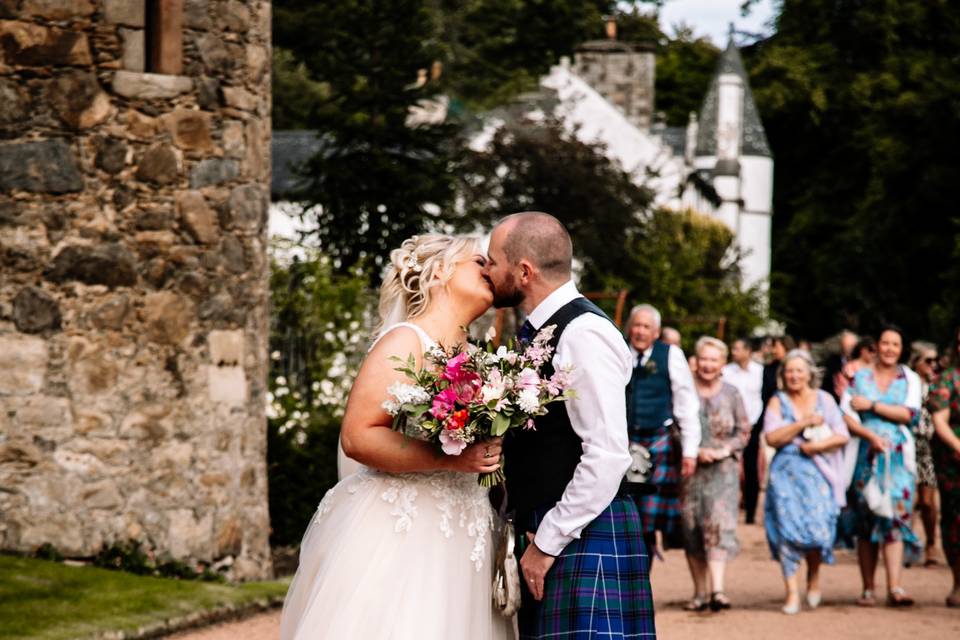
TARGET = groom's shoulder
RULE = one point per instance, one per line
(594, 324)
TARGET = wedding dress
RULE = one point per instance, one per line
(397, 555)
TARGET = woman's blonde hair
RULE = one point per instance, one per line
(421, 264)
(710, 341)
(804, 356)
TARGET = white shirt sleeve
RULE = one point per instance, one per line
(602, 367)
(686, 403)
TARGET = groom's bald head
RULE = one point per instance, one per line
(540, 239)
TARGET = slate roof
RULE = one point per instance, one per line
(754, 138)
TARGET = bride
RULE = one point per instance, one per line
(402, 547)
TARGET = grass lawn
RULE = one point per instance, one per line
(42, 599)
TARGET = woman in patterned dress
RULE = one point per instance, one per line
(806, 487)
(923, 360)
(711, 497)
(944, 405)
(882, 402)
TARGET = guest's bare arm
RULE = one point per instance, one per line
(366, 434)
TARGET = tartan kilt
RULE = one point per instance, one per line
(661, 511)
(599, 585)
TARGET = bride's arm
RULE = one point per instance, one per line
(366, 434)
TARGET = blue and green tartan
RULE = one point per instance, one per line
(599, 586)
(661, 511)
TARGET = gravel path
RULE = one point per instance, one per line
(755, 587)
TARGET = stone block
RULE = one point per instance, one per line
(197, 216)
(127, 12)
(233, 145)
(213, 171)
(27, 44)
(77, 99)
(111, 155)
(35, 311)
(146, 423)
(190, 129)
(226, 347)
(234, 16)
(107, 264)
(196, 14)
(208, 93)
(149, 86)
(234, 257)
(43, 166)
(189, 535)
(93, 370)
(257, 63)
(58, 9)
(227, 385)
(215, 55)
(229, 537)
(247, 208)
(257, 146)
(159, 165)
(14, 102)
(239, 98)
(167, 317)
(82, 464)
(19, 454)
(134, 48)
(23, 364)
(111, 314)
(140, 125)
(101, 495)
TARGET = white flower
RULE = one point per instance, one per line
(491, 333)
(452, 442)
(392, 407)
(504, 354)
(408, 393)
(529, 401)
(491, 392)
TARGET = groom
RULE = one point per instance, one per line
(585, 571)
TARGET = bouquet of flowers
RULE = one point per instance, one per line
(468, 394)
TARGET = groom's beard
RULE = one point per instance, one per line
(507, 295)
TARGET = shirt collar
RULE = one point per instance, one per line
(552, 303)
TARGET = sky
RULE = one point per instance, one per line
(712, 17)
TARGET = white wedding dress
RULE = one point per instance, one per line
(399, 556)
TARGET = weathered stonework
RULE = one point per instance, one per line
(133, 282)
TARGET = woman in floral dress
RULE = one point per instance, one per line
(806, 487)
(944, 405)
(882, 402)
(711, 497)
(923, 360)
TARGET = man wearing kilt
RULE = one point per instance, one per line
(663, 412)
(585, 571)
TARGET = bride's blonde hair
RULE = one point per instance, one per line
(420, 265)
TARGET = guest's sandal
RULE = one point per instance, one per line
(696, 604)
(719, 601)
(898, 598)
(867, 599)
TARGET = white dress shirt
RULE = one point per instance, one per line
(686, 402)
(601, 370)
(749, 382)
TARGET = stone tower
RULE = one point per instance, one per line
(621, 72)
(134, 182)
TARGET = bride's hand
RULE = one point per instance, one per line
(482, 457)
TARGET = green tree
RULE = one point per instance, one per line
(683, 262)
(377, 179)
(859, 100)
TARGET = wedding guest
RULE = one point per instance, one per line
(923, 360)
(670, 335)
(807, 483)
(834, 380)
(661, 401)
(944, 405)
(883, 400)
(711, 498)
(805, 345)
(864, 355)
(746, 375)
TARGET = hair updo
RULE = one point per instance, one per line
(421, 264)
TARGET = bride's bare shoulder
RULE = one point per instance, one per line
(399, 342)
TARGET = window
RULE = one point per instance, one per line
(163, 41)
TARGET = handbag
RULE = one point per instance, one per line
(878, 497)
(506, 577)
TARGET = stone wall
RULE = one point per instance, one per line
(134, 281)
(621, 72)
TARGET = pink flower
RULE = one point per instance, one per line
(528, 379)
(443, 403)
(530, 425)
(454, 369)
(451, 444)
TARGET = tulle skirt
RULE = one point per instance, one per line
(397, 556)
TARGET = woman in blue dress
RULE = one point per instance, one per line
(880, 405)
(806, 488)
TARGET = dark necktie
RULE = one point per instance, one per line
(526, 332)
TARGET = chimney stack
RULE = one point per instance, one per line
(611, 27)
